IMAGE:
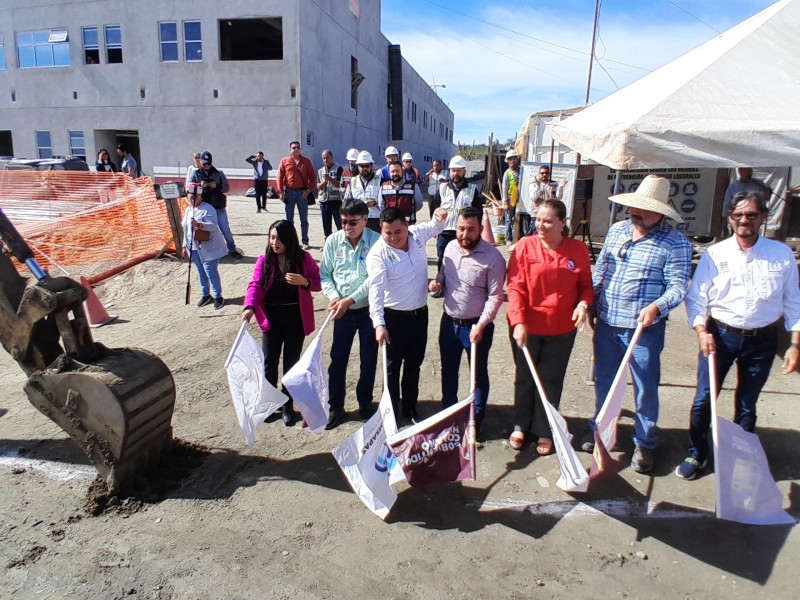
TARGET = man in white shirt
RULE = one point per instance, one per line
(397, 269)
(742, 290)
(745, 182)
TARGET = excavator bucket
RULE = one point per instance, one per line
(116, 404)
(118, 409)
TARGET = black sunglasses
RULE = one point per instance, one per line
(622, 254)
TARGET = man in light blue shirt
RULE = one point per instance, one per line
(344, 282)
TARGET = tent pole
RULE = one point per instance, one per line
(591, 54)
(613, 216)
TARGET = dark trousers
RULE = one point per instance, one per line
(330, 210)
(524, 225)
(408, 336)
(453, 341)
(754, 357)
(344, 331)
(374, 224)
(261, 194)
(550, 355)
(285, 334)
(442, 240)
(434, 202)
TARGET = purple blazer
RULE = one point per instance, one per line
(256, 292)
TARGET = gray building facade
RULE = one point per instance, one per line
(170, 78)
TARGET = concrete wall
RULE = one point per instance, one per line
(254, 108)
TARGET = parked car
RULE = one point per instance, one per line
(57, 163)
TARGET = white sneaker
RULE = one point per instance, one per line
(305, 247)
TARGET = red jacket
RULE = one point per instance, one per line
(543, 291)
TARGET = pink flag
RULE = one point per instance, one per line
(605, 433)
(441, 448)
(746, 491)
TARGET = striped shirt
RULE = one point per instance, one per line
(631, 275)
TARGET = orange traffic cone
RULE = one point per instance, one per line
(95, 311)
(487, 234)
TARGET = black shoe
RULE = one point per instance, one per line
(205, 300)
(412, 415)
(235, 254)
(288, 415)
(336, 418)
(219, 303)
(365, 414)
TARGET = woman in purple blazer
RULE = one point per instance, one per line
(279, 295)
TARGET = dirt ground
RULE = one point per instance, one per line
(279, 520)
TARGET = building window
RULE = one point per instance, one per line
(168, 37)
(353, 84)
(113, 44)
(413, 112)
(77, 143)
(2, 53)
(251, 39)
(44, 48)
(91, 46)
(43, 144)
(425, 119)
(192, 41)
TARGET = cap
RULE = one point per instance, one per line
(205, 158)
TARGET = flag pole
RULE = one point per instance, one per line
(473, 367)
(712, 376)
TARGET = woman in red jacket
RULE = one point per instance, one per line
(279, 295)
(549, 292)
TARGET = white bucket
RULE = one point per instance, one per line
(499, 234)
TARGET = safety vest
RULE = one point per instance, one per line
(366, 191)
(402, 197)
(453, 202)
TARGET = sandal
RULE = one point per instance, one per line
(544, 447)
(516, 440)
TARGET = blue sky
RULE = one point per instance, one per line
(501, 62)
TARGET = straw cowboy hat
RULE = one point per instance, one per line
(653, 195)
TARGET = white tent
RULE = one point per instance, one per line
(734, 101)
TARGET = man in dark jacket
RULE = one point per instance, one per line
(261, 169)
(215, 185)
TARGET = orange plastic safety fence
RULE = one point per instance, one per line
(83, 223)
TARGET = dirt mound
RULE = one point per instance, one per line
(157, 484)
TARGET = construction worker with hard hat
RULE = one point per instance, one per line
(409, 170)
(352, 169)
(391, 155)
(509, 192)
(366, 186)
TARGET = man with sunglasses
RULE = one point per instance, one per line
(542, 188)
(641, 274)
(344, 282)
(744, 288)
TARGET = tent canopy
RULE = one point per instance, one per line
(733, 101)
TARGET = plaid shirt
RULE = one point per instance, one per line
(628, 276)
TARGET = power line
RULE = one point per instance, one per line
(693, 16)
(525, 35)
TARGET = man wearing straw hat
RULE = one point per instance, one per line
(642, 273)
(743, 289)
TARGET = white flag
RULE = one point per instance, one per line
(605, 433)
(254, 398)
(746, 491)
(367, 461)
(573, 476)
(307, 383)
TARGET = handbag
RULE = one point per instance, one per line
(311, 199)
(202, 235)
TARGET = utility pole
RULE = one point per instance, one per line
(591, 54)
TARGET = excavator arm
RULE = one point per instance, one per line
(116, 404)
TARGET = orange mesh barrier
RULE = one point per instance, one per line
(84, 223)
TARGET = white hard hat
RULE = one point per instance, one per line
(352, 155)
(364, 158)
(458, 162)
(391, 150)
(511, 154)
(407, 156)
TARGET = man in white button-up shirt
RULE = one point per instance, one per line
(397, 268)
(744, 288)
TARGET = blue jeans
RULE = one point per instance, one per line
(610, 344)
(754, 357)
(453, 340)
(225, 228)
(208, 273)
(293, 199)
(510, 224)
(344, 330)
(330, 210)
